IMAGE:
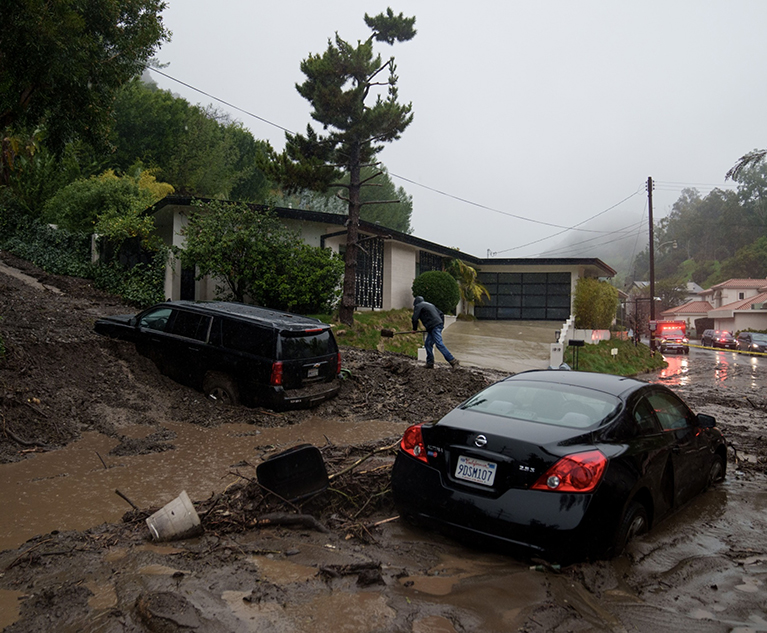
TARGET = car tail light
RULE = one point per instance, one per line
(338, 364)
(412, 443)
(580, 472)
(275, 380)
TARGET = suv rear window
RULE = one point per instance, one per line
(311, 344)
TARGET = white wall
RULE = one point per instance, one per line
(399, 272)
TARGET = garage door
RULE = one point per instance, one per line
(525, 296)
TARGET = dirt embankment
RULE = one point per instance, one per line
(342, 563)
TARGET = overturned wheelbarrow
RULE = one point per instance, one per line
(296, 473)
(385, 333)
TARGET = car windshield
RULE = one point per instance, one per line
(546, 403)
(759, 338)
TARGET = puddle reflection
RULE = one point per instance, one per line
(722, 368)
(677, 371)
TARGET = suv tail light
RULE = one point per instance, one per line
(580, 472)
(275, 380)
(338, 364)
(412, 443)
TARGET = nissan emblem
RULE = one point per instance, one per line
(480, 441)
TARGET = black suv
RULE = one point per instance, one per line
(752, 342)
(235, 352)
(718, 338)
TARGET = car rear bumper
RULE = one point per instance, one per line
(281, 399)
(560, 527)
(674, 347)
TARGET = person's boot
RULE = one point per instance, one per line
(454, 362)
(429, 365)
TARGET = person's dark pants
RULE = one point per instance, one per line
(434, 338)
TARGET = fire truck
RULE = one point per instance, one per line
(671, 336)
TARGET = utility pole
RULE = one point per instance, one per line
(652, 262)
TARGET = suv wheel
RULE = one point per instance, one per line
(220, 388)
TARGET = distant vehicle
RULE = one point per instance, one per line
(718, 338)
(236, 353)
(563, 464)
(752, 342)
(672, 337)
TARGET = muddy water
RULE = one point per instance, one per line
(72, 489)
(721, 368)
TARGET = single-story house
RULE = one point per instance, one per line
(520, 289)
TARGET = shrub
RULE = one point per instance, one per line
(439, 288)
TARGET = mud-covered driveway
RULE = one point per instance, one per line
(83, 416)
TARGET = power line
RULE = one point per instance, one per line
(543, 239)
(413, 182)
(630, 230)
(506, 213)
(226, 103)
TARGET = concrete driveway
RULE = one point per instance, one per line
(510, 346)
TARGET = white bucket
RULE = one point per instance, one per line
(176, 520)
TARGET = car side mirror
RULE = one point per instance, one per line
(706, 421)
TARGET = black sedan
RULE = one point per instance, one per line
(566, 465)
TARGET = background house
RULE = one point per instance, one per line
(528, 289)
(733, 305)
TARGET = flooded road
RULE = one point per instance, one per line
(74, 488)
(726, 369)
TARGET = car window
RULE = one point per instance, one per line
(191, 325)
(547, 403)
(758, 338)
(247, 337)
(644, 418)
(155, 319)
(307, 344)
(672, 413)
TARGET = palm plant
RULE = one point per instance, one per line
(472, 291)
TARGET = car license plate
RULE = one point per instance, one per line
(313, 372)
(477, 471)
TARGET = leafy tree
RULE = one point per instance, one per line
(340, 85)
(749, 262)
(201, 152)
(258, 258)
(595, 304)
(396, 210)
(437, 287)
(79, 205)
(34, 173)
(471, 290)
(672, 292)
(61, 63)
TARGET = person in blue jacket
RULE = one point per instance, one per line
(433, 321)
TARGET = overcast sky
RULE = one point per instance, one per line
(527, 114)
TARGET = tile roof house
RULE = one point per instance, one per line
(734, 305)
(520, 289)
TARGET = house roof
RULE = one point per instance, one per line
(747, 284)
(689, 308)
(382, 231)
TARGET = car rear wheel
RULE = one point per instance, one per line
(715, 471)
(633, 524)
(220, 388)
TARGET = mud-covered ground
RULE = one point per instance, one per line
(340, 560)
